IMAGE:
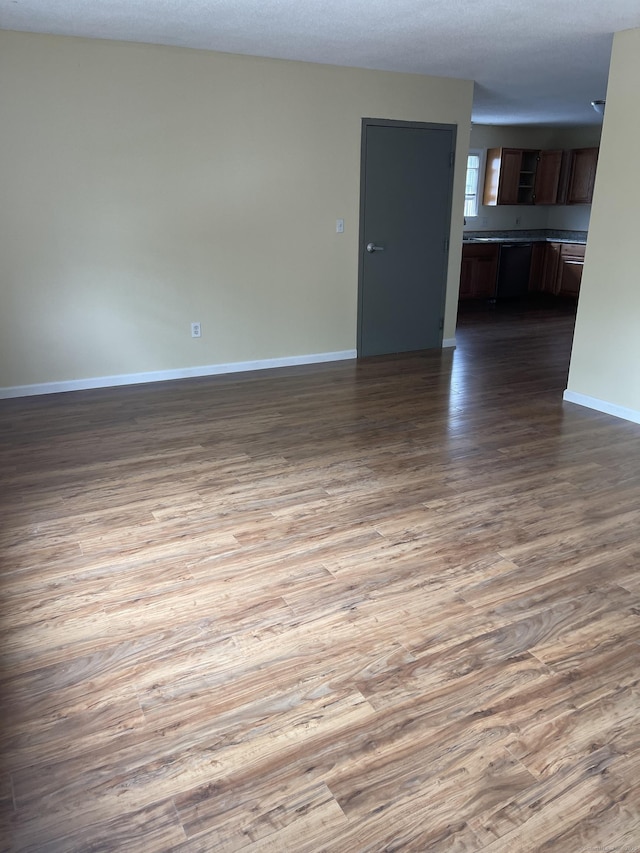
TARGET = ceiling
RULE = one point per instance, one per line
(533, 61)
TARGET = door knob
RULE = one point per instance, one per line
(371, 247)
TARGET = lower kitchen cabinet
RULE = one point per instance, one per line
(550, 268)
(479, 270)
(570, 267)
(538, 255)
(556, 268)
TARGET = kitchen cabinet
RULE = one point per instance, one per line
(571, 263)
(538, 254)
(510, 176)
(556, 268)
(549, 281)
(582, 175)
(479, 270)
(544, 267)
(548, 177)
(521, 176)
(565, 172)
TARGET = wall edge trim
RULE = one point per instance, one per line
(601, 406)
(177, 373)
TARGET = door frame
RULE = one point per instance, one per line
(421, 125)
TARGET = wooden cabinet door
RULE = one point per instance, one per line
(570, 268)
(550, 268)
(510, 165)
(565, 173)
(485, 274)
(538, 252)
(479, 271)
(466, 278)
(583, 176)
(569, 277)
(501, 176)
(548, 177)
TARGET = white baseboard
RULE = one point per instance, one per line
(602, 406)
(448, 342)
(164, 375)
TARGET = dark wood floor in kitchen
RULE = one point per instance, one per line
(392, 605)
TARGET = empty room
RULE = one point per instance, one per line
(319, 427)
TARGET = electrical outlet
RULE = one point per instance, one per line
(339, 226)
(196, 330)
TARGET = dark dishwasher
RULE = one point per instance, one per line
(513, 270)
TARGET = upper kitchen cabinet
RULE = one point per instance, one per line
(521, 176)
(510, 176)
(548, 177)
(582, 175)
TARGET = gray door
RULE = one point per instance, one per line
(405, 214)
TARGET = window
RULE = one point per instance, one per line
(471, 190)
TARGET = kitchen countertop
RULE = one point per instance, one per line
(542, 235)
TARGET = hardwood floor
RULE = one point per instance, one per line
(375, 606)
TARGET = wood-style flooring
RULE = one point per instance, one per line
(378, 606)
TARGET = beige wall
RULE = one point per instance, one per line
(571, 217)
(146, 187)
(606, 351)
